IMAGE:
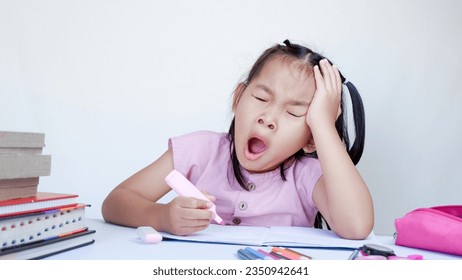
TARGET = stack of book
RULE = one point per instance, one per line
(35, 224)
(22, 163)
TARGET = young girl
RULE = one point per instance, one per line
(287, 156)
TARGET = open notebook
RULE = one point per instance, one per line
(273, 236)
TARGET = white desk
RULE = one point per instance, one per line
(114, 242)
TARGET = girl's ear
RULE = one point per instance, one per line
(237, 94)
(310, 147)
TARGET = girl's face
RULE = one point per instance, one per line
(270, 115)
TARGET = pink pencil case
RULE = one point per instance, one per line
(436, 228)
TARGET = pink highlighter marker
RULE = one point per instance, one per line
(184, 187)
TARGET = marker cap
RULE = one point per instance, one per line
(148, 234)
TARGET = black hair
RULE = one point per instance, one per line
(310, 59)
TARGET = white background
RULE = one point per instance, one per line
(109, 82)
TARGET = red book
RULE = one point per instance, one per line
(41, 202)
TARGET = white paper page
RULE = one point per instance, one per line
(276, 236)
(303, 236)
(225, 234)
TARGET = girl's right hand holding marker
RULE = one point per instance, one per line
(186, 215)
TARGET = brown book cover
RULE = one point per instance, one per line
(14, 166)
(15, 139)
(18, 182)
(14, 142)
(18, 188)
(18, 192)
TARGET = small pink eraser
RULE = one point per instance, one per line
(181, 185)
(148, 234)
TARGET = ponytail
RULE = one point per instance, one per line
(356, 150)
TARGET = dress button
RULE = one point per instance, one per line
(242, 205)
(251, 186)
(236, 221)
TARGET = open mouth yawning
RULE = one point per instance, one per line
(255, 147)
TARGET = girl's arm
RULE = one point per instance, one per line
(134, 202)
(340, 195)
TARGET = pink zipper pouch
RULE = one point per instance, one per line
(436, 228)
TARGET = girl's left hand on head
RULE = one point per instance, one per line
(325, 106)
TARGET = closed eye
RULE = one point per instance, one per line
(260, 99)
(295, 115)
